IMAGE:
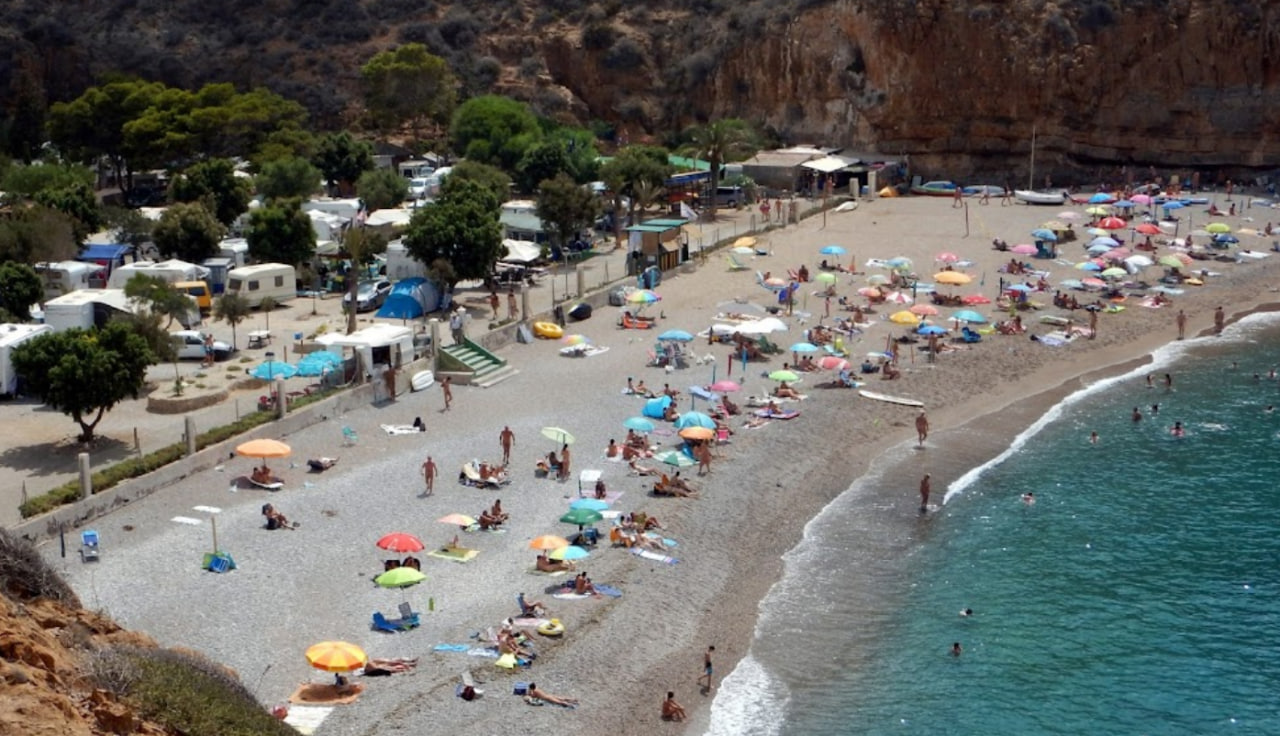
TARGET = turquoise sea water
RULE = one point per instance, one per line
(1140, 594)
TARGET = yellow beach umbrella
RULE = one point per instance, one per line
(904, 318)
(263, 449)
(548, 541)
(1218, 228)
(336, 656)
(954, 278)
(697, 433)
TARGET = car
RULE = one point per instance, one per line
(190, 345)
(418, 187)
(369, 295)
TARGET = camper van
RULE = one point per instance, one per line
(172, 271)
(237, 249)
(254, 283)
(108, 256)
(64, 277)
(218, 270)
(11, 336)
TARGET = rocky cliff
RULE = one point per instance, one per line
(959, 84)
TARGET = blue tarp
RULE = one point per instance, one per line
(104, 252)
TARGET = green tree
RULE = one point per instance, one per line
(408, 85)
(628, 172)
(37, 233)
(566, 207)
(494, 130)
(288, 177)
(84, 373)
(130, 226)
(280, 232)
(23, 126)
(285, 143)
(20, 287)
(78, 203)
(232, 309)
(158, 298)
(490, 177)
(151, 329)
(724, 140)
(188, 231)
(92, 125)
(62, 187)
(342, 159)
(460, 227)
(543, 161)
(361, 245)
(382, 188)
(213, 183)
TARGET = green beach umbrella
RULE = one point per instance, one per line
(825, 278)
(400, 577)
(674, 457)
(784, 376)
(581, 516)
(560, 436)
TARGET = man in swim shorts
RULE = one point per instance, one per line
(924, 493)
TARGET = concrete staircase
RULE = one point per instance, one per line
(486, 369)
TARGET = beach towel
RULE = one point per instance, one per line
(1052, 341)
(608, 590)
(487, 652)
(305, 719)
(536, 571)
(400, 429)
(571, 596)
(451, 648)
(325, 693)
(610, 498)
(655, 556)
(702, 393)
(528, 621)
(784, 415)
(476, 528)
(454, 555)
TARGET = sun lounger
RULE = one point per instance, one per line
(736, 265)
(784, 415)
(275, 484)
(470, 475)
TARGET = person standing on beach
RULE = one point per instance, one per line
(429, 475)
(1093, 323)
(924, 493)
(507, 439)
(564, 462)
(446, 387)
(707, 670)
(922, 428)
(703, 451)
(1181, 319)
(1219, 320)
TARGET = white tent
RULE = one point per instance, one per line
(398, 217)
(521, 251)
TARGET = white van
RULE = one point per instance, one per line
(253, 283)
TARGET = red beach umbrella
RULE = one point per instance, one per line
(401, 542)
(1147, 228)
(1112, 223)
(973, 299)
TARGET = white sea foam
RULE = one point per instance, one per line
(749, 701)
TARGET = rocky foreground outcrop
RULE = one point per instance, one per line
(959, 84)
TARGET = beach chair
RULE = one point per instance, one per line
(382, 623)
(349, 437)
(406, 611)
(969, 335)
(735, 264)
(89, 545)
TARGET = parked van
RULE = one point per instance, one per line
(198, 290)
(253, 283)
(729, 196)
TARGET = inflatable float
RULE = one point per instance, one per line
(548, 330)
(552, 628)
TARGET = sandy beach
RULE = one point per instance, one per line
(620, 655)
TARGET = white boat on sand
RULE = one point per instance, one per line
(1033, 197)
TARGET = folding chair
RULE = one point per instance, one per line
(88, 545)
(349, 437)
(406, 611)
(736, 265)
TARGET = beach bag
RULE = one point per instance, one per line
(520, 688)
(468, 693)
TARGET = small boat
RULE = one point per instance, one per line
(935, 189)
(1033, 197)
(978, 190)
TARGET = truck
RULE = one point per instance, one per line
(11, 336)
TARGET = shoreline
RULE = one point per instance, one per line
(621, 655)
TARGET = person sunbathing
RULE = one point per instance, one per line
(262, 474)
(546, 564)
(643, 390)
(783, 391)
(772, 407)
(275, 519)
(535, 692)
(507, 644)
(378, 667)
(322, 464)
(670, 414)
(890, 372)
(639, 469)
(496, 511)
(488, 522)
(612, 450)
(582, 585)
(678, 483)
(530, 608)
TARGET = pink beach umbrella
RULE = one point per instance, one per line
(1023, 249)
(973, 299)
(869, 292)
(1112, 223)
(832, 363)
(898, 297)
(725, 386)
(1140, 199)
(1117, 254)
(947, 257)
(924, 310)
(1094, 282)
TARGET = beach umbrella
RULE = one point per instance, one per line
(1088, 266)
(1019, 287)
(674, 457)
(594, 504)
(548, 542)
(1023, 249)
(643, 296)
(1224, 239)
(1139, 261)
(403, 542)
(1218, 227)
(1141, 199)
(1116, 254)
(931, 330)
(676, 336)
(557, 435)
(572, 552)
(968, 315)
(1094, 283)
(804, 347)
(695, 419)
(1183, 258)
(725, 386)
(832, 363)
(1172, 205)
(877, 279)
(457, 520)
(1071, 284)
(746, 241)
(581, 516)
(1101, 198)
(1170, 261)
(656, 407)
(399, 577)
(1147, 228)
(832, 250)
(263, 449)
(1056, 226)
(898, 297)
(972, 299)
(1098, 211)
(899, 262)
(1123, 204)
(923, 310)
(697, 433)
(869, 292)
(743, 251)
(947, 257)
(1106, 240)
(1069, 215)
(1043, 234)
(273, 369)
(639, 424)
(336, 656)
(784, 375)
(1098, 249)
(825, 278)
(904, 318)
(953, 278)
(1114, 273)
(575, 340)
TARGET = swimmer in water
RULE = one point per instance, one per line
(955, 649)
(1149, 383)
(1168, 381)
(1269, 409)
(1155, 409)
(1029, 498)
(1137, 414)
(1093, 438)
(967, 612)
(1177, 430)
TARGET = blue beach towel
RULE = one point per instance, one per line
(608, 590)
(452, 648)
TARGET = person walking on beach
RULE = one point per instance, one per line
(446, 387)
(507, 439)
(564, 462)
(922, 428)
(924, 493)
(429, 475)
(1219, 320)
(1181, 319)
(707, 670)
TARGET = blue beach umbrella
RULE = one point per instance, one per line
(1124, 204)
(1088, 266)
(1106, 240)
(931, 330)
(1044, 234)
(273, 369)
(1174, 205)
(968, 315)
(591, 504)
(676, 336)
(1101, 198)
(832, 250)
(695, 419)
(1019, 287)
(638, 424)
(1224, 239)
(804, 347)
(1071, 284)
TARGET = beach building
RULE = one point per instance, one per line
(520, 221)
(662, 243)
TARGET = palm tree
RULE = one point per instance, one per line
(646, 193)
(719, 142)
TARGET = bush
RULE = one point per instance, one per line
(625, 54)
(24, 575)
(598, 36)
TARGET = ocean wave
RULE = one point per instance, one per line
(749, 701)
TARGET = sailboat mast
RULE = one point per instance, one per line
(1031, 177)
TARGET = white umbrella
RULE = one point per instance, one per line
(1139, 261)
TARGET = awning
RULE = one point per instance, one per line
(670, 246)
(827, 165)
(521, 251)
